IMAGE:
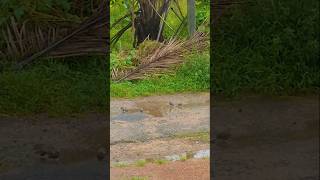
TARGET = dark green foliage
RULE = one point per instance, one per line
(54, 87)
(24, 9)
(268, 47)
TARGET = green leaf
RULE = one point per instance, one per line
(19, 12)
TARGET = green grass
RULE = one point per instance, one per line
(139, 178)
(193, 76)
(161, 161)
(183, 157)
(198, 136)
(141, 163)
(267, 47)
(121, 165)
(53, 87)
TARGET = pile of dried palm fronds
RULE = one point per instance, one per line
(26, 42)
(168, 55)
(24, 39)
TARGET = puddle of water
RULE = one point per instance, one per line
(197, 155)
(173, 157)
(154, 108)
(129, 116)
(157, 107)
(202, 154)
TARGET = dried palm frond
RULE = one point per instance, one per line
(164, 58)
(90, 37)
(118, 72)
(28, 42)
(21, 39)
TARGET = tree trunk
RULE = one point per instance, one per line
(191, 17)
(147, 22)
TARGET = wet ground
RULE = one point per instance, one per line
(161, 127)
(261, 138)
(267, 138)
(44, 148)
(152, 124)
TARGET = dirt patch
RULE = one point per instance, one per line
(193, 169)
(50, 141)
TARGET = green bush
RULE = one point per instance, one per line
(267, 47)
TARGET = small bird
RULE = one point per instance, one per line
(124, 110)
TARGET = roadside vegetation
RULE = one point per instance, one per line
(267, 47)
(261, 47)
(63, 86)
(190, 76)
